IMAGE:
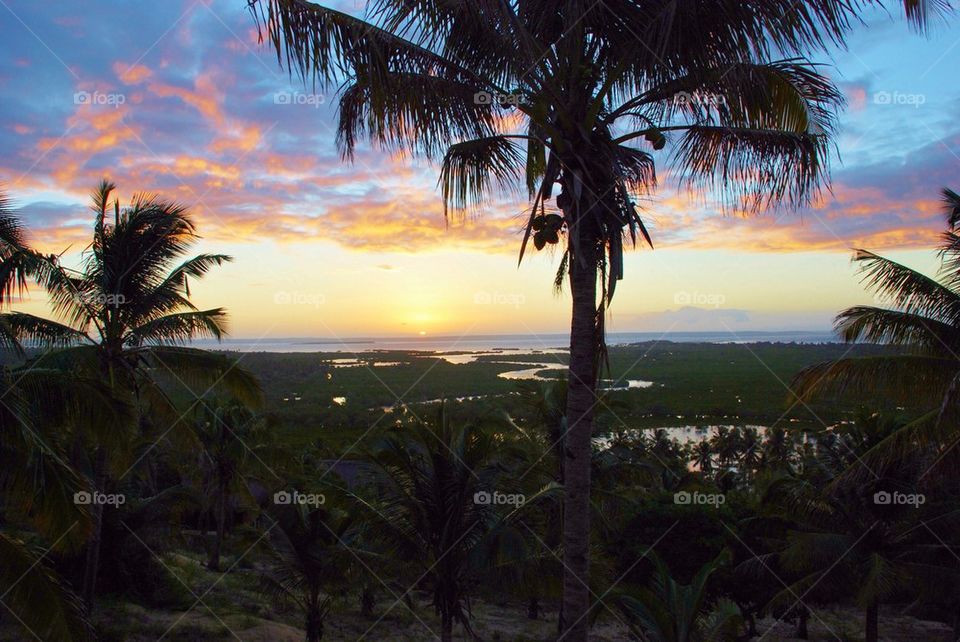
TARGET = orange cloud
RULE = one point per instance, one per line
(131, 75)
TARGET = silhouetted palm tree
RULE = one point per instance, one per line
(668, 611)
(703, 456)
(120, 318)
(311, 553)
(565, 101)
(778, 449)
(439, 508)
(227, 433)
(924, 322)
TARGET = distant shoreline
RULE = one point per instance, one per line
(508, 342)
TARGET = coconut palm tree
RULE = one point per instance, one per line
(668, 611)
(227, 432)
(845, 544)
(311, 553)
(778, 450)
(567, 102)
(439, 507)
(750, 447)
(923, 321)
(702, 456)
(123, 317)
(38, 407)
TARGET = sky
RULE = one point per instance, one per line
(180, 98)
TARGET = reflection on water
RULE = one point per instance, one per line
(353, 363)
(531, 373)
(683, 434)
(470, 357)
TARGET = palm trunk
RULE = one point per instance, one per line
(367, 601)
(446, 628)
(314, 623)
(92, 562)
(533, 608)
(581, 397)
(214, 563)
(802, 624)
(872, 633)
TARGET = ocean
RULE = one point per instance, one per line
(483, 343)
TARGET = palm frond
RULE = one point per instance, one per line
(40, 600)
(471, 168)
(906, 289)
(180, 328)
(202, 371)
(754, 168)
(910, 378)
(19, 328)
(395, 115)
(879, 325)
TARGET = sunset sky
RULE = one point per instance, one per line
(179, 98)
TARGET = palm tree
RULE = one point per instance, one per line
(672, 612)
(846, 545)
(778, 449)
(565, 101)
(726, 445)
(121, 318)
(750, 450)
(703, 456)
(924, 323)
(843, 540)
(40, 405)
(438, 508)
(226, 432)
(311, 552)
(39, 488)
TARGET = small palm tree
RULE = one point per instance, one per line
(778, 449)
(846, 541)
(750, 447)
(438, 509)
(726, 445)
(702, 453)
(311, 552)
(924, 322)
(668, 611)
(227, 432)
(121, 318)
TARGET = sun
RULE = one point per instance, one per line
(423, 333)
